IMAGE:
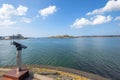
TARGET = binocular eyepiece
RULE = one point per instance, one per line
(19, 46)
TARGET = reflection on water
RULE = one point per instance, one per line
(97, 55)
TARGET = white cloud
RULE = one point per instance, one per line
(26, 20)
(47, 11)
(111, 5)
(7, 23)
(21, 10)
(117, 18)
(79, 23)
(99, 19)
(8, 13)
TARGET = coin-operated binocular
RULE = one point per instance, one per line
(19, 48)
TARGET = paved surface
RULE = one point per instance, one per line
(31, 77)
(39, 77)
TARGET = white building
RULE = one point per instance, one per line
(6, 37)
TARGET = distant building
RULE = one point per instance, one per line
(18, 36)
(6, 37)
(1, 37)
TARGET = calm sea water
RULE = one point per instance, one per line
(96, 55)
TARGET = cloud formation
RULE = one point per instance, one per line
(25, 20)
(21, 10)
(7, 23)
(79, 23)
(111, 5)
(98, 15)
(98, 19)
(47, 11)
(117, 18)
(8, 12)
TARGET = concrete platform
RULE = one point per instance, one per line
(14, 75)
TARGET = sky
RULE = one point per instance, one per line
(42, 18)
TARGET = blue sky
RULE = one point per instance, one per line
(40, 18)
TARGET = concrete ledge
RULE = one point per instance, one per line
(14, 75)
(74, 71)
(69, 70)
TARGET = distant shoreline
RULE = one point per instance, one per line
(14, 39)
(65, 36)
(68, 36)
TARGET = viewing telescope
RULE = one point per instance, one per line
(19, 46)
(17, 73)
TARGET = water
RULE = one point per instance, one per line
(96, 55)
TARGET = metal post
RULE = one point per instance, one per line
(19, 60)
